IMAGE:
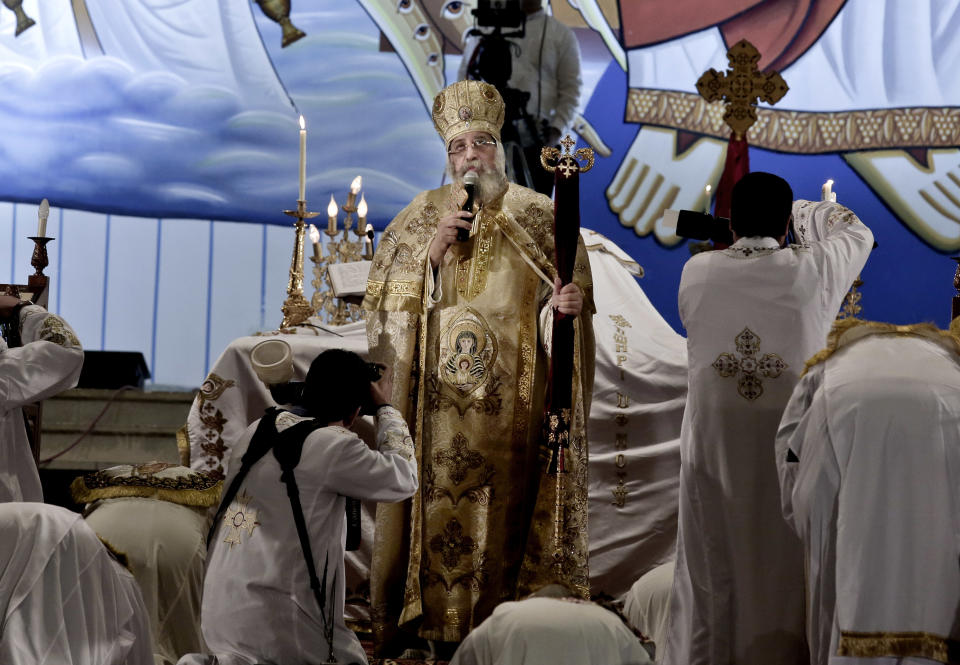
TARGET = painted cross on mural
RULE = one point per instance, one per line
(741, 86)
(746, 367)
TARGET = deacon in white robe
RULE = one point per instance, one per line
(45, 360)
(647, 603)
(869, 458)
(257, 602)
(157, 515)
(64, 599)
(754, 313)
(554, 631)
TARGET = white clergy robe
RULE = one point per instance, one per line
(48, 362)
(539, 631)
(257, 602)
(753, 313)
(869, 459)
(64, 600)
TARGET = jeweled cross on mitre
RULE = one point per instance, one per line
(741, 87)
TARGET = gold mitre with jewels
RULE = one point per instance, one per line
(467, 106)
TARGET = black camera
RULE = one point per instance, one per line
(699, 226)
(499, 14)
(374, 373)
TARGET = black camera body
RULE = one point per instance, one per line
(291, 393)
(703, 226)
(499, 14)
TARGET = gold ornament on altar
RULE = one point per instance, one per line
(340, 248)
(296, 309)
(741, 86)
(566, 162)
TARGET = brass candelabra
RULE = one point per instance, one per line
(296, 309)
(340, 248)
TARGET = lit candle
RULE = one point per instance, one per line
(825, 192)
(332, 217)
(362, 213)
(315, 239)
(42, 214)
(354, 190)
(303, 160)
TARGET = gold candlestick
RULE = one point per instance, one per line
(295, 308)
(38, 282)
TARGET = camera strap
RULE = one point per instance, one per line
(265, 439)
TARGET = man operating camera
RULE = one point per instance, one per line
(538, 75)
(266, 598)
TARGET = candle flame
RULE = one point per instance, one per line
(708, 188)
(829, 183)
(314, 234)
(303, 125)
(332, 207)
(355, 185)
(362, 208)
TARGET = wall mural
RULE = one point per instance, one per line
(189, 109)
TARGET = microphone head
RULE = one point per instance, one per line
(470, 179)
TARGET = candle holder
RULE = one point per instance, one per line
(295, 308)
(38, 282)
(340, 248)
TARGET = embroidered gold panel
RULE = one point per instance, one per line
(801, 131)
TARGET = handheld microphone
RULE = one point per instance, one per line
(470, 185)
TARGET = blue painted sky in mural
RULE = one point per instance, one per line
(115, 135)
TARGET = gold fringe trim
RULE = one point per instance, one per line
(912, 644)
(120, 557)
(807, 132)
(183, 445)
(196, 498)
(847, 331)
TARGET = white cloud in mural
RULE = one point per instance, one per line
(99, 134)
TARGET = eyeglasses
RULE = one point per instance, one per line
(478, 143)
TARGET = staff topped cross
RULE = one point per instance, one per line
(741, 87)
(567, 162)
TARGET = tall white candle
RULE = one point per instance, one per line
(42, 214)
(303, 160)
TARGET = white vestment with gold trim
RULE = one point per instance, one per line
(754, 313)
(869, 456)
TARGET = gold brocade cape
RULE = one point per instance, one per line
(470, 376)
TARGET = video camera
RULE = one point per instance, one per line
(698, 226)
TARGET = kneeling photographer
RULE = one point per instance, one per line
(274, 587)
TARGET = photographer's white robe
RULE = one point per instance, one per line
(874, 494)
(64, 600)
(47, 363)
(257, 602)
(753, 313)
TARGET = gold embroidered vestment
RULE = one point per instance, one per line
(469, 375)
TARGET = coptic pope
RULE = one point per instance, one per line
(463, 324)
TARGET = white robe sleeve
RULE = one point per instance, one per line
(839, 240)
(387, 475)
(794, 429)
(49, 361)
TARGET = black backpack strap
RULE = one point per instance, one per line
(260, 445)
(288, 455)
